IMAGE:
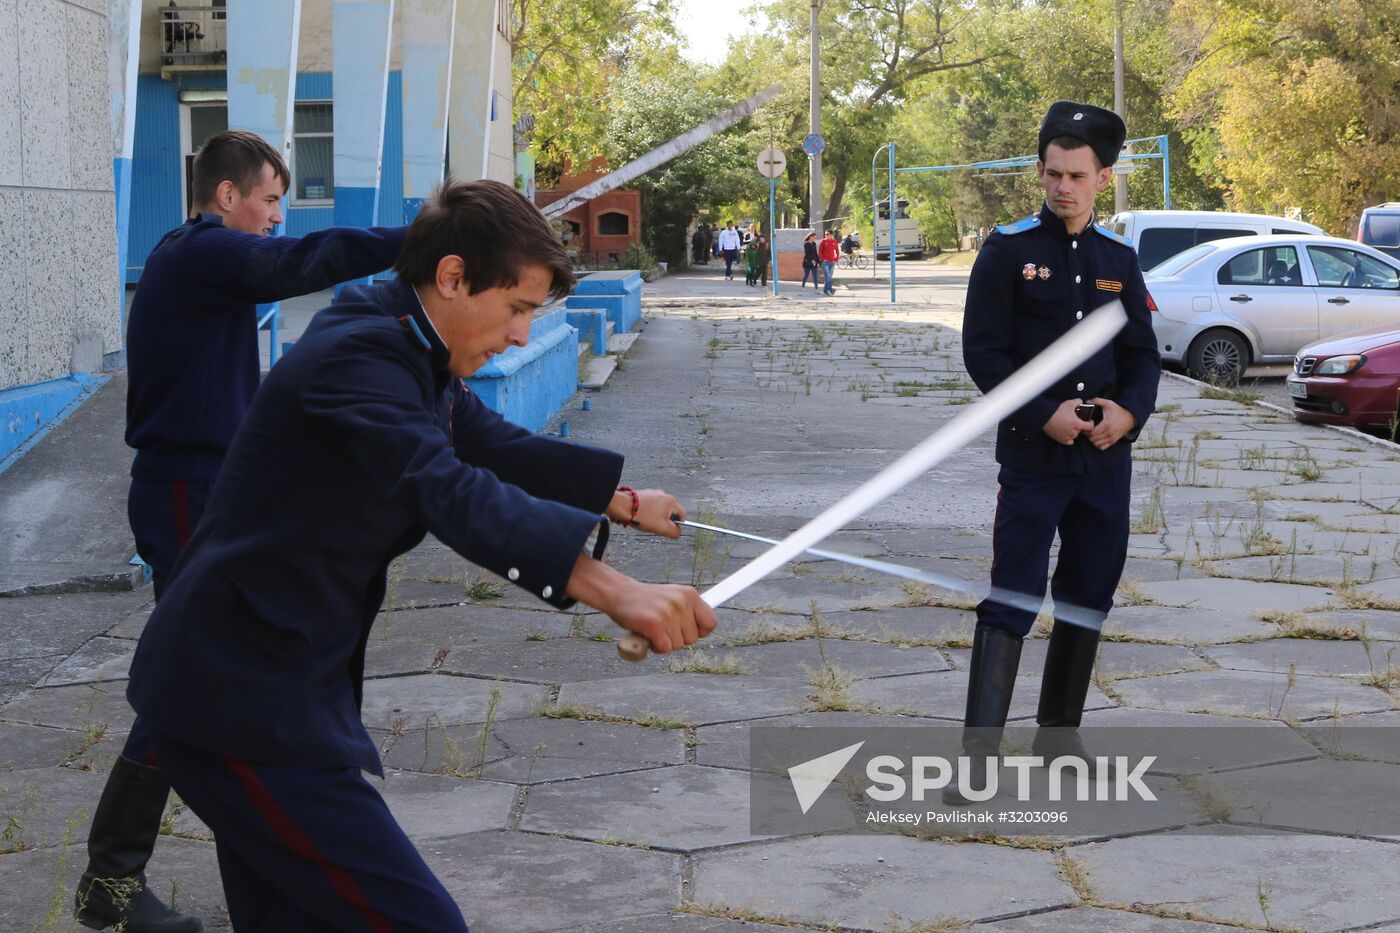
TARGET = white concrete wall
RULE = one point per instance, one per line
(314, 55)
(501, 166)
(58, 248)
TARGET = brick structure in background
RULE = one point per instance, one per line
(605, 226)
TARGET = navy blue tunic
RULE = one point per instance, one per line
(1031, 283)
(192, 343)
(358, 443)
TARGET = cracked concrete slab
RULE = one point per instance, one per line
(535, 751)
(46, 806)
(100, 659)
(1186, 743)
(695, 699)
(31, 626)
(79, 707)
(728, 745)
(24, 746)
(875, 882)
(945, 695)
(680, 808)
(1213, 593)
(431, 806)
(1307, 655)
(1253, 694)
(440, 699)
(552, 661)
(183, 872)
(1350, 883)
(1351, 798)
(523, 883)
(803, 658)
(1100, 920)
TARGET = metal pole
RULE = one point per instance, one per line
(875, 216)
(892, 251)
(1166, 172)
(772, 239)
(1120, 182)
(816, 208)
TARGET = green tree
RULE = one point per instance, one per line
(1293, 104)
(652, 102)
(566, 54)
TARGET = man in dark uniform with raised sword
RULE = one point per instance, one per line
(1065, 457)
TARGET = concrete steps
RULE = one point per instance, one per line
(597, 372)
(619, 344)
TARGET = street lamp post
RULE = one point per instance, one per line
(816, 208)
(1120, 182)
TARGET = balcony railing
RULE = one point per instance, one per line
(193, 34)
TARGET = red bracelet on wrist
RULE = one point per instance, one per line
(636, 505)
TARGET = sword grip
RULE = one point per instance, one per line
(633, 648)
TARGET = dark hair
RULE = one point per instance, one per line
(1069, 144)
(493, 228)
(237, 156)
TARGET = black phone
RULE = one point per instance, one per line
(1088, 411)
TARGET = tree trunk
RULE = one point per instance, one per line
(838, 192)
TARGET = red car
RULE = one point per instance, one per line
(1352, 379)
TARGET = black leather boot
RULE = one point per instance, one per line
(1069, 666)
(113, 892)
(996, 654)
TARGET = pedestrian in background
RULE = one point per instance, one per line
(829, 251)
(761, 247)
(729, 247)
(811, 262)
(751, 260)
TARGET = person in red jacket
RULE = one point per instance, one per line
(829, 251)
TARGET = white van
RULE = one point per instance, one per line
(1380, 228)
(1159, 235)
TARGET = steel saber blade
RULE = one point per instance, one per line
(1064, 612)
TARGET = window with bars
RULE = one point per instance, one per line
(313, 152)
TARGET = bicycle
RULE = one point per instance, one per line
(853, 260)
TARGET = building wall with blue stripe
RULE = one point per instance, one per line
(158, 165)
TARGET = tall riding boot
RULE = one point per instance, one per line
(996, 654)
(113, 892)
(1069, 665)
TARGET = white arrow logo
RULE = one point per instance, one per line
(810, 779)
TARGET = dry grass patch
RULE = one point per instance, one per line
(700, 662)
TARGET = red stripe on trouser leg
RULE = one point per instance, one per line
(180, 511)
(299, 843)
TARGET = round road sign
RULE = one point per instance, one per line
(771, 163)
(813, 145)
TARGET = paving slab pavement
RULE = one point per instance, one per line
(1302, 882)
(757, 413)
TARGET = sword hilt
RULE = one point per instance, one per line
(633, 648)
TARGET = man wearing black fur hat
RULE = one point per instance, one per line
(1065, 457)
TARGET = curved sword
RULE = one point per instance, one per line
(1075, 615)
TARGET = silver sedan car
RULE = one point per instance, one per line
(1220, 306)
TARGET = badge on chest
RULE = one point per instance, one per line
(1030, 272)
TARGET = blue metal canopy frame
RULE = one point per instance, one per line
(1161, 144)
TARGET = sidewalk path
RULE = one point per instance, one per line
(554, 787)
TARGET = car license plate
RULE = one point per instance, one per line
(1298, 389)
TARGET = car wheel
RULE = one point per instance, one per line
(1219, 357)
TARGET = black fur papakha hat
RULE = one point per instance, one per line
(1102, 129)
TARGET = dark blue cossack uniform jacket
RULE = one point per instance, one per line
(1031, 283)
(358, 443)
